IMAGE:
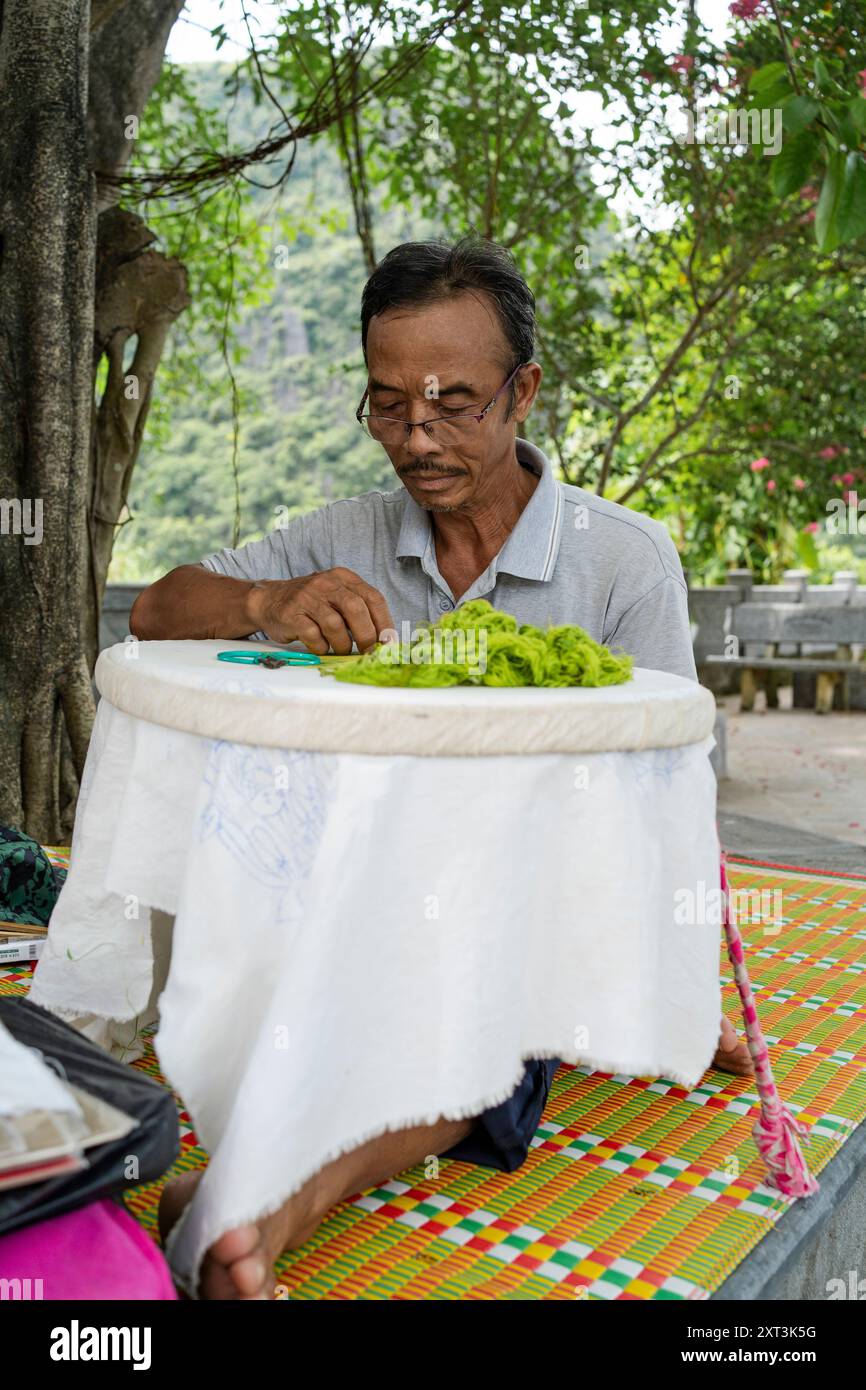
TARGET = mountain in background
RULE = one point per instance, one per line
(300, 382)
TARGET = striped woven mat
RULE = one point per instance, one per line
(635, 1188)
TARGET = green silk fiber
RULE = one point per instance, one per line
(478, 645)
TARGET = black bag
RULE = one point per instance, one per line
(155, 1143)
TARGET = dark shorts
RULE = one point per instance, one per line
(500, 1137)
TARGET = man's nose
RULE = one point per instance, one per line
(418, 442)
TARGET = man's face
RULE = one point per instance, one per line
(455, 347)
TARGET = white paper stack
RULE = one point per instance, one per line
(46, 1124)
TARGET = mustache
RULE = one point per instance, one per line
(413, 468)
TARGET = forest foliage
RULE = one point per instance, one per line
(701, 301)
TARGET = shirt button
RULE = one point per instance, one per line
(445, 604)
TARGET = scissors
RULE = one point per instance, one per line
(273, 660)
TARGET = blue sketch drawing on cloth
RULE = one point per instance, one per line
(655, 764)
(268, 808)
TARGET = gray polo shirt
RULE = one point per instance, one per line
(571, 558)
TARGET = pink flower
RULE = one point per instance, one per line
(861, 78)
(807, 216)
(799, 484)
(746, 9)
(683, 62)
(648, 76)
(847, 477)
(795, 43)
(829, 452)
(771, 485)
(757, 464)
(810, 191)
(837, 478)
(811, 526)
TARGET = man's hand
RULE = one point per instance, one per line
(324, 611)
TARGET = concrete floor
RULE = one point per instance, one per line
(796, 782)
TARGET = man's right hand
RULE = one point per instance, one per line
(324, 611)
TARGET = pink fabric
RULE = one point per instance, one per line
(97, 1252)
(777, 1134)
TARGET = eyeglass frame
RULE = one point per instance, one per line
(411, 425)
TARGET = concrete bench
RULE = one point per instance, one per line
(839, 629)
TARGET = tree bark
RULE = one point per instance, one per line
(139, 294)
(70, 77)
(138, 291)
(127, 49)
(47, 247)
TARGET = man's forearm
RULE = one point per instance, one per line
(327, 610)
(194, 602)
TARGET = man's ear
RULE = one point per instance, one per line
(527, 388)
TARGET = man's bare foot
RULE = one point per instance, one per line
(236, 1266)
(732, 1054)
(240, 1265)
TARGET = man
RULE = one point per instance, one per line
(448, 338)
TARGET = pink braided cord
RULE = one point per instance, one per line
(776, 1132)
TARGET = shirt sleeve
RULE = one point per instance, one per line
(655, 630)
(303, 546)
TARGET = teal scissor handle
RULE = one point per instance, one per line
(270, 658)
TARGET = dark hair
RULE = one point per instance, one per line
(426, 272)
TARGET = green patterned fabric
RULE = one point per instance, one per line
(29, 882)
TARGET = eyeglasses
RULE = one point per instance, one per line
(444, 429)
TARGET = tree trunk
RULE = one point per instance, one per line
(127, 49)
(47, 250)
(139, 293)
(65, 464)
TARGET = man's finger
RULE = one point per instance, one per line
(359, 620)
(306, 630)
(378, 606)
(333, 625)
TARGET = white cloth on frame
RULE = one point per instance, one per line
(363, 943)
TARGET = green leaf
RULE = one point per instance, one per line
(826, 227)
(851, 214)
(792, 164)
(776, 94)
(800, 112)
(857, 111)
(767, 76)
(807, 550)
(838, 116)
(822, 77)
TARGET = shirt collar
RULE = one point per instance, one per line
(531, 550)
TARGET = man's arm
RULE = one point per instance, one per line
(285, 586)
(655, 630)
(191, 601)
(325, 611)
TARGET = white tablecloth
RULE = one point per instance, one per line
(366, 942)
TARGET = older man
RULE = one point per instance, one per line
(448, 339)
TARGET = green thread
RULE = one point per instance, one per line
(514, 655)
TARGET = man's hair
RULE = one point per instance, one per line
(427, 272)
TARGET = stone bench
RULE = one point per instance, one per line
(782, 631)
